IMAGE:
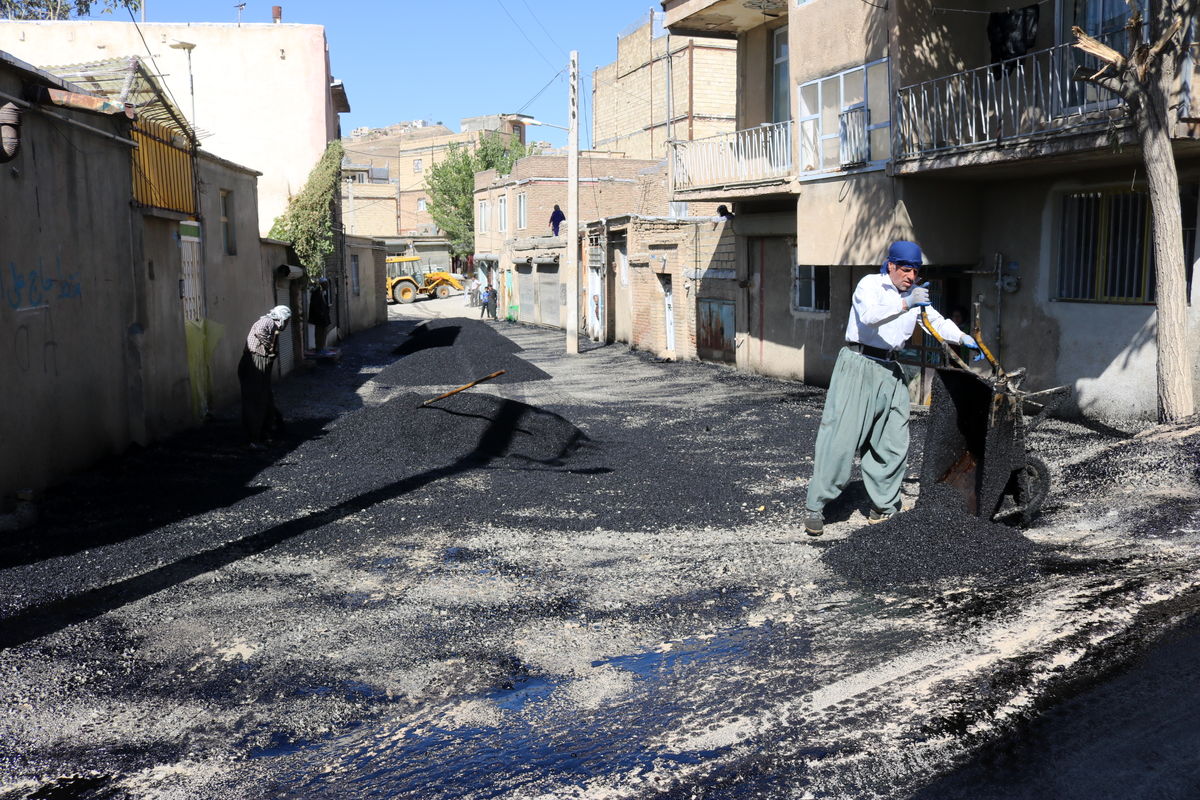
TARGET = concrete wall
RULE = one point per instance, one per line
(238, 286)
(367, 304)
(71, 343)
(278, 123)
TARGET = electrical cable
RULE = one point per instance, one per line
(522, 30)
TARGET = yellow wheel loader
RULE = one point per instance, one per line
(406, 280)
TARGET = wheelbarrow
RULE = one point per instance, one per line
(975, 442)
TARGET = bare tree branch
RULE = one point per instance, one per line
(1112, 83)
(1089, 44)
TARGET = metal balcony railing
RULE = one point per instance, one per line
(853, 144)
(741, 157)
(1022, 97)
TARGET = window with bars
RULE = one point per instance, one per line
(1105, 249)
(522, 213)
(810, 288)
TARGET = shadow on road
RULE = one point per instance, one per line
(495, 442)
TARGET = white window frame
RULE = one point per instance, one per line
(502, 213)
(421, 204)
(481, 225)
(418, 165)
(522, 212)
(776, 61)
(858, 73)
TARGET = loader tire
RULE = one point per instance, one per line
(405, 293)
(443, 292)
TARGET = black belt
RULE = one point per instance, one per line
(873, 352)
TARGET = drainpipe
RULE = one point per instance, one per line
(10, 131)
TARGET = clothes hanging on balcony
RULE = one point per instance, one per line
(1011, 34)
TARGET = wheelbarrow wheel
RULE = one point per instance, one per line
(1031, 485)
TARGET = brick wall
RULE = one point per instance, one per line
(372, 211)
(630, 97)
(684, 251)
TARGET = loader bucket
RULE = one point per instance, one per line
(974, 440)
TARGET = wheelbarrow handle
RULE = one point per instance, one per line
(983, 348)
(946, 348)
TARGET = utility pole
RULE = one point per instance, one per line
(573, 210)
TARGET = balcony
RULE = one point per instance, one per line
(719, 18)
(964, 118)
(747, 162)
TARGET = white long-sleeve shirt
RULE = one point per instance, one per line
(878, 317)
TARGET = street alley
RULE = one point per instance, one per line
(587, 577)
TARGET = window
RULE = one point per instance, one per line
(781, 88)
(420, 204)
(678, 208)
(522, 213)
(355, 285)
(502, 213)
(228, 227)
(810, 288)
(481, 223)
(417, 165)
(1105, 253)
(843, 120)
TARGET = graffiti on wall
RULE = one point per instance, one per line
(34, 344)
(22, 289)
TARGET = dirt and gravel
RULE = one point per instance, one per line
(587, 578)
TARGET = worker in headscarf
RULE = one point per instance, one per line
(866, 408)
(556, 219)
(260, 417)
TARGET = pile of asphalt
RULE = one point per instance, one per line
(453, 352)
(937, 539)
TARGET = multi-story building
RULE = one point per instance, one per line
(515, 247)
(651, 94)
(861, 123)
(280, 131)
(385, 194)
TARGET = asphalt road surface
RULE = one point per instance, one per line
(588, 579)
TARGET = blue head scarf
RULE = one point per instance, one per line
(902, 253)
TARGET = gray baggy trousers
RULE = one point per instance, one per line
(866, 413)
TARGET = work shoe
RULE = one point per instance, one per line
(879, 516)
(814, 523)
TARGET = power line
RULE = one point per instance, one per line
(544, 88)
(522, 30)
(543, 27)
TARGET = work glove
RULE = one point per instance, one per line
(918, 296)
(970, 343)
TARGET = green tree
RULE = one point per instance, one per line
(59, 9)
(451, 185)
(308, 221)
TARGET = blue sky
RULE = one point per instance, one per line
(443, 61)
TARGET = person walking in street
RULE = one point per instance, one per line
(318, 312)
(484, 298)
(493, 299)
(260, 417)
(556, 219)
(472, 293)
(866, 408)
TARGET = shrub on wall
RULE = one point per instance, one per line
(308, 221)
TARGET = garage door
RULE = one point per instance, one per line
(549, 294)
(526, 294)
